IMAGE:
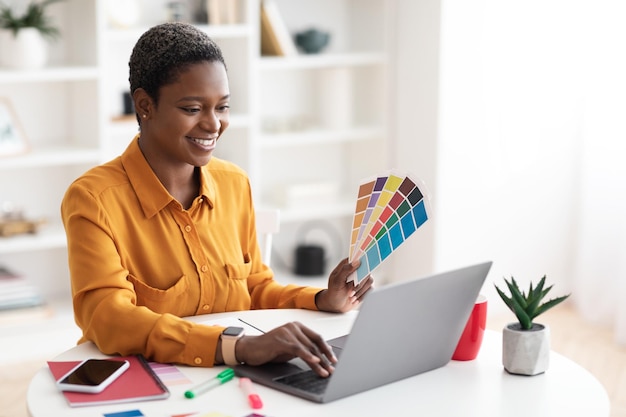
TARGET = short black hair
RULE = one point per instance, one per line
(165, 50)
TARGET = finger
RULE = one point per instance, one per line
(355, 263)
(317, 353)
(364, 287)
(321, 364)
(318, 345)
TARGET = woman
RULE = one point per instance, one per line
(166, 230)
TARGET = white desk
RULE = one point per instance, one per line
(478, 388)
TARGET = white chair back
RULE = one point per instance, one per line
(267, 224)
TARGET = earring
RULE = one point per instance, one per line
(144, 115)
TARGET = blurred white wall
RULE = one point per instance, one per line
(498, 120)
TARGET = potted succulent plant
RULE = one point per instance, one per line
(526, 344)
(23, 33)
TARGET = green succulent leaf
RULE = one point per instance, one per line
(534, 298)
(518, 297)
(507, 300)
(524, 319)
(549, 304)
(527, 307)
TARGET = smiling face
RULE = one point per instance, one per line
(182, 129)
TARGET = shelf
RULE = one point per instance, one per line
(48, 237)
(215, 32)
(51, 74)
(358, 59)
(319, 136)
(305, 213)
(127, 124)
(285, 277)
(53, 156)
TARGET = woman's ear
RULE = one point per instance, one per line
(143, 103)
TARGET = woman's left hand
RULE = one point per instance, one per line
(342, 296)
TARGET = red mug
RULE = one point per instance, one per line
(472, 337)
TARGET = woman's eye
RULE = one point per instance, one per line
(224, 107)
(191, 109)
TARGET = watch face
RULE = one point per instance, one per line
(232, 331)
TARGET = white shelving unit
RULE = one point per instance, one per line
(334, 105)
(323, 120)
(59, 110)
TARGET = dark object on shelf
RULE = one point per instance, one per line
(129, 104)
(312, 41)
(309, 260)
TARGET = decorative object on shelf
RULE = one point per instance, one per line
(525, 344)
(335, 85)
(389, 209)
(13, 221)
(176, 11)
(275, 37)
(310, 258)
(128, 103)
(222, 12)
(307, 194)
(123, 14)
(12, 138)
(312, 41)
(23, 36)
(16, 292)
(286, 123)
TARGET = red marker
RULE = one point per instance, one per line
(253, 398)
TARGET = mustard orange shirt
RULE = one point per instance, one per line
(139, 261)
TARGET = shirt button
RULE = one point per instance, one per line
(205, 307)
(197, 360)
(204, 268)
(188, 228)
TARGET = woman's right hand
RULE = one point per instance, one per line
(285, 343)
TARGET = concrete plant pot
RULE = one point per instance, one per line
(525, 352)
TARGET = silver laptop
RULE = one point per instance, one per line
(414, 325)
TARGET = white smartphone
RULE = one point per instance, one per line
(92, 375)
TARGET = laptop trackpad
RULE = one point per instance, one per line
(338, 342)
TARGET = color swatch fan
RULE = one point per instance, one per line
(389, 209)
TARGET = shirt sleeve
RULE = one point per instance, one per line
(104, 300)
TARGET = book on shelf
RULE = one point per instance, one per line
(275, 37)
(222, 12)
(16, 292)
(138, 383)
(25, 315)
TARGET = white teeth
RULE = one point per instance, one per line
(204, 142)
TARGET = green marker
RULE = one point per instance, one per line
(220, 379)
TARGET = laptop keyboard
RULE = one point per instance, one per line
(306, 381)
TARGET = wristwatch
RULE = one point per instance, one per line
(229, 338)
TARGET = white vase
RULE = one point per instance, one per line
(525, 352)
(26, 50)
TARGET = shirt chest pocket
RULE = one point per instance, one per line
(174, 300)
(239, 297)
(238, 271)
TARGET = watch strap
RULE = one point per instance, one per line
(228, 349)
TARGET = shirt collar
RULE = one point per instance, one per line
(152, 195)
(207, 185)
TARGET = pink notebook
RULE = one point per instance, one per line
(138, 383)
